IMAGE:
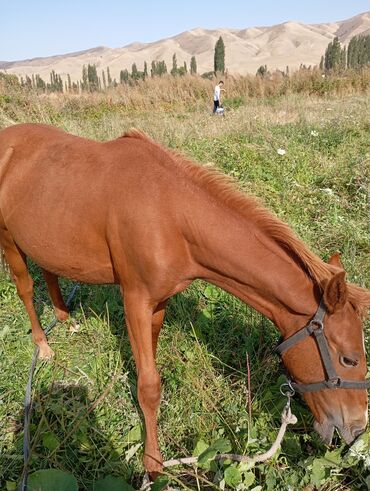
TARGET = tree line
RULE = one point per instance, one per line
(92, 81)
(355, 55)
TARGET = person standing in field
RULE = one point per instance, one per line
(217, 96)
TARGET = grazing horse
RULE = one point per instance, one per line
(131, 212)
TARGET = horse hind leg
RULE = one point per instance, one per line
(60, 309)
(24, 283)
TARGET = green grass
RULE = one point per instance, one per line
(86, 418)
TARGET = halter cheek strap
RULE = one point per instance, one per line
(332, 381)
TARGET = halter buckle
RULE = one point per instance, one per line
(315, 326)
(334, 383)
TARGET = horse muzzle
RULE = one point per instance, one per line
(348, 433)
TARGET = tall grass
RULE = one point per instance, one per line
(187, 92)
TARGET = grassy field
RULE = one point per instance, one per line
(86, 419)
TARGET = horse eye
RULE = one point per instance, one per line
(348, 362)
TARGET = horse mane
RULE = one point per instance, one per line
(223, 188)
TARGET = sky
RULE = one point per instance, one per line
(37, 28)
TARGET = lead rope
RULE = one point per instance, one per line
(28, 399)
(287, 418)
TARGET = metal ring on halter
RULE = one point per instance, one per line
(315, 325)
(287, 393)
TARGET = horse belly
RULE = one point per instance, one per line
(80, 254)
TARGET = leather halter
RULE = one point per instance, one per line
(332, 380)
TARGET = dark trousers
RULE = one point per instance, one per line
(216, 104)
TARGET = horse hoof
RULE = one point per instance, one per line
(61, 315)
(45, 352)
(153, 467)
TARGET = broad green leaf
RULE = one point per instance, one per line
(222, 445)
(248, 478)
(207, 313)
(232, 476)
(246, 466)
(134, 435)
(211, 292)
(318, 472)
(160, 483)
(200, 447)
(333, 457)
(111, 483)
(207, 455)
(50, 441)
(51, 480)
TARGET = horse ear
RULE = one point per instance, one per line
(335, 260)
(335, 292)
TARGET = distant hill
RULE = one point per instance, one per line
(287, 44)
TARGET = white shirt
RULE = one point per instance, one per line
(217, 93)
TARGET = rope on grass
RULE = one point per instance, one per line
(287, 418)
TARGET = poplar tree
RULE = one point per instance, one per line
(193, 66)
(219, 56)
(109, 78)
(333, 58)
(162, 68)
(124, 76)
(85, 81)
(92, 76)
(174, 70)
(153, 70)
(134, 72)
(358, 53)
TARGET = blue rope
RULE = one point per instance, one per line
(28, 398)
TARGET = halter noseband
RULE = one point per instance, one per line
(332, 380)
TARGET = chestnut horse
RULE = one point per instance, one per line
(131, 212)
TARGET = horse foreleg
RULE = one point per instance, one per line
(60, 309)
(139, 318)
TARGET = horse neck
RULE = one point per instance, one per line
(233, 253)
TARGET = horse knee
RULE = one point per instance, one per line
(149, 391)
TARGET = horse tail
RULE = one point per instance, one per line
(4, 163)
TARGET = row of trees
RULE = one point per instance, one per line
(336, 57)
(92, 82)
(356, 55)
